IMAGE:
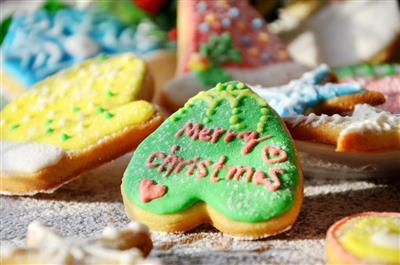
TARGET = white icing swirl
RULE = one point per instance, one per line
(46, 246)
(28, 158)
(364, 118)
(367, 118)
(387, 239)
(81, 46)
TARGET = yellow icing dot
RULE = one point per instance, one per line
(253, 51)
(263, 37)
(219, 86)
(283, 55)
(240, 86)
(210, 18)
(234, 119)
(83, 104)
(373, 238)
(241, 25)
(222, 3)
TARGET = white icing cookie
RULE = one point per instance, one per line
(28, 158)
(127, 246)
(368, 129)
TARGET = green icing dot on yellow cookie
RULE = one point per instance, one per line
(78, 107)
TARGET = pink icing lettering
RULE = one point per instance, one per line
(171, 160)
(205, 134)
(190, 130)
(260, 178)
(181, 165)
(230, 136)
(202, 166)
(252, 140)
(237, 171)
(150, 161)
(279, 155)
(217, 134)
(217, 167)
(169, 164)
(276, 184)
(193, 166)
(149, 190)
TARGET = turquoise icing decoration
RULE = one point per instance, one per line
(42, 43)
(367, 70)
(307, 92)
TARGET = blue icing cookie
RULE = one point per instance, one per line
(307, 92)
(40, 44)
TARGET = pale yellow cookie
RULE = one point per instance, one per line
(75, 121)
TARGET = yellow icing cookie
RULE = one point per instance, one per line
(368, 238)
(77, 111)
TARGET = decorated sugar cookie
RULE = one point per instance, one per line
(383, 78)
(365, 238)
(367, 129)
(41, 43)
(128, 246)
(74, 121)
(341, 33)
(222, 40)
(314, 93)
(226, 159)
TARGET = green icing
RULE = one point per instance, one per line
(236, 199)
(108, 115)
(64, 137)
(367, 70)
(218, 51)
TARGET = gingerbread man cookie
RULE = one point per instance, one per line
(74, 121)
(226, 159)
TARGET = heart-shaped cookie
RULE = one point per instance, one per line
(226, 158)
(74, 121)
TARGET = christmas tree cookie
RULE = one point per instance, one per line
(225, 158)
(222, 40)
(74, 121)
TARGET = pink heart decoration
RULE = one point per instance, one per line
(149, 190)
